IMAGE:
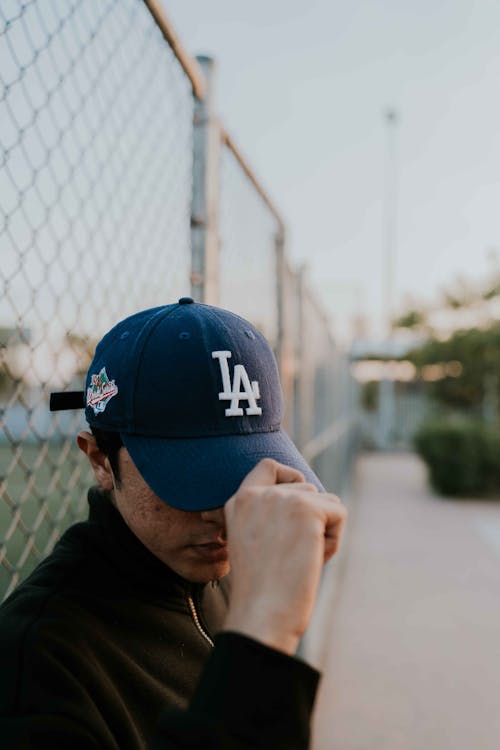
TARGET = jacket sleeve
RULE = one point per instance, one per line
(46, 695)
(249, 696)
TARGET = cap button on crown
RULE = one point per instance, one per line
(186, 301)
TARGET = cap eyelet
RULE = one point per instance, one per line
(250, 334)
(184, 335)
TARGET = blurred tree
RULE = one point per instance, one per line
(369, 395)
(411, 319)
(492, 291)
(83, 348)
(11, 340)
(478, 352)
(461, 294)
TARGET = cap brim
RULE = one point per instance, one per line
(203, 473)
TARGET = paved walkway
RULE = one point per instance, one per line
(413, 625)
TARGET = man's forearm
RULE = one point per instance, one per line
(249, 696)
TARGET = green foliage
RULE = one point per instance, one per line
(462, 456)
(84, 349)
(4, 381)
(369, 395)
(478, 351)
(462, 293)
(411, 319)
(454, 302)
(492, 291)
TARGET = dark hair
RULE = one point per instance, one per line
(109, 443)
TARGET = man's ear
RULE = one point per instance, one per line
(99, 462)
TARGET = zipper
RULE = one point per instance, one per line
(196, 619)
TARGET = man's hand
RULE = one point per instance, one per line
(280, 532)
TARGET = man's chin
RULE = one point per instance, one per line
(208, 572)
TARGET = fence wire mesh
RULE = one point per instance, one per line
(95, 191)
(326, 395)
(96, 202)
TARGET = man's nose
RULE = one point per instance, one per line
(216, 516)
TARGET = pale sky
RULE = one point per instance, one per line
(302, 88)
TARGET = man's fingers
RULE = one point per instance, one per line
(269, 472)
(335, 519)
(301, 486)
(293, 491)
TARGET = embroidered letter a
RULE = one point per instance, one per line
(233, 393)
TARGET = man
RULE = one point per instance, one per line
(104, 644)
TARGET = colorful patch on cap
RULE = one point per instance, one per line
(101, 391)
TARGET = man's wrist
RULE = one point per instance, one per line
(265, 632)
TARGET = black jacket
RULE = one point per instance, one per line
(102, 634)
(102, 638)
(250, 697)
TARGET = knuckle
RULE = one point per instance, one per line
(334, 498)
(274, 494)
(267, 463)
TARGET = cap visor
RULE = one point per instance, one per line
(203, 473)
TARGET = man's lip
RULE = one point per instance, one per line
(211, 545)
(211, 552)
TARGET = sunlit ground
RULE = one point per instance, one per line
(412, 638)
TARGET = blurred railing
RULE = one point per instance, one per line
(119, 190)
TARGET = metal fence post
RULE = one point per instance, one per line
(386, 411)
(205, 198)
(300, 401)
(280, 256)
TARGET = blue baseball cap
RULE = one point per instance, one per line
(194, 392)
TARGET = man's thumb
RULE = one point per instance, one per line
(268, 472)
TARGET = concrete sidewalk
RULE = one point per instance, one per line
(410, 620)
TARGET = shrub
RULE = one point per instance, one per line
(462, 456)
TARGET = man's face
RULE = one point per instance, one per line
(193, 544)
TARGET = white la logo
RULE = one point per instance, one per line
(233, 393)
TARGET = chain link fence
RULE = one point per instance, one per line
(95, 191)
(327, 395)
(96, 210)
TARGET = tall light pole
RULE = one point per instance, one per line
(386, 413)
(391, 119)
